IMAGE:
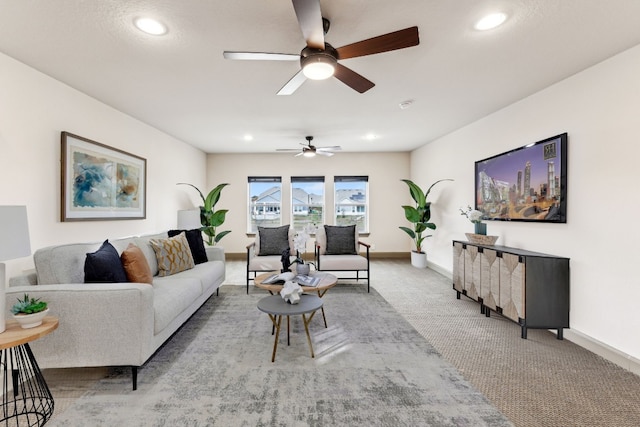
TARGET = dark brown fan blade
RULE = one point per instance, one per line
(293, 84)
(352, 79)
(310, 20)
(260, 56)
(392, 41)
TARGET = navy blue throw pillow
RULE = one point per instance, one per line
(196, 244)
(104, 266)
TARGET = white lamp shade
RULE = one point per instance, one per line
(14, 243)
(14, 233)
(189, 219)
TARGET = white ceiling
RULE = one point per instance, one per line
(181, 84)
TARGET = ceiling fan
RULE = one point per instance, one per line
(319, 60)
(309, 150)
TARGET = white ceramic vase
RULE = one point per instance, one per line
(303, 269)
(30, 320)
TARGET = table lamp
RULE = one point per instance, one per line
(14, 243)
(189, 219)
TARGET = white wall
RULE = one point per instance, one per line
(387, 192)
(34, 109)
(599, 108)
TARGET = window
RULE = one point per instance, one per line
(352, 201)
(307, 201)
(265, 202)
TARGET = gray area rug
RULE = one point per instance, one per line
(371, 369)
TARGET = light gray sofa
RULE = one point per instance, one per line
(112, 324)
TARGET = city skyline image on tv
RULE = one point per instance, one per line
(525, 184)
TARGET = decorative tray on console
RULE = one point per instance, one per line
(481, 239)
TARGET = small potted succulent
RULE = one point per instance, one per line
(29, 312)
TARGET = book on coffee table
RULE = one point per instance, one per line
(304, 280)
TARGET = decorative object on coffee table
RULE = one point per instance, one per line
(300, 244)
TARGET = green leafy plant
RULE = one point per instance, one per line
(420, 214)
(28, 306)
(209, 217)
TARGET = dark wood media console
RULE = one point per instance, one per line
(530, 288)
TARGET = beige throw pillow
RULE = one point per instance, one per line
(173, 254)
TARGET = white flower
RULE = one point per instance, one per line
(473, 215)
(300, 241)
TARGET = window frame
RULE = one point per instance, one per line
(365, 206)
(317, 221)
(250, 203)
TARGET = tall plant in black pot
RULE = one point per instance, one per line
(419, 215)
(209, 217)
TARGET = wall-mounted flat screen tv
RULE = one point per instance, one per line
(525, 184)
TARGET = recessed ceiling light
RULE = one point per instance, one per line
(150, 26)
(370, 136)
(248, 137)
(491, 21)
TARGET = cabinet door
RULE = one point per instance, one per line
(490, 278)
(472, 272)
(512, 287)
(458, 266)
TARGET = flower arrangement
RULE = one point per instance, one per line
(28, 305)
(300, 241)
(473, 215)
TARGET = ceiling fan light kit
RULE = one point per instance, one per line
(318, 65)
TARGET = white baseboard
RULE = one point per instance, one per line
(438, 269)
(603, 350)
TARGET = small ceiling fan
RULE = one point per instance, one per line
(319, 60)
(309, 150)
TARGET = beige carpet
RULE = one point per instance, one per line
(540, 381)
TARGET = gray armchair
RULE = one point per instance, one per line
(337, 250)
(264, 254)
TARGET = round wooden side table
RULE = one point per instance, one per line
(26, 399)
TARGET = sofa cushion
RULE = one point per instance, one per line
(171, 296)
(104, 266)
(196, 244)
(341, 240)
(273, 240)
(173, 254)
(135, 265)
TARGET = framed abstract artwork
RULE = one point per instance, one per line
(101, 182)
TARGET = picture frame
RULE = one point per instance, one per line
(99, 182)
(526, 184)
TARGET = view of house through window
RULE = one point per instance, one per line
(352, 201)
(265, 202)
(307, 201)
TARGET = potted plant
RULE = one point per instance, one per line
(29, 312)
(420, 216)
(209, 217)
